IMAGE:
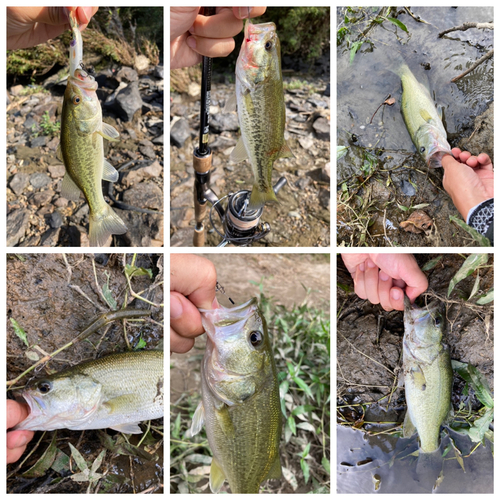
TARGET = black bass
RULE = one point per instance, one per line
(422, 119)
(116, 391)
(81, 148)
(428, 375)
(240, 399)
(261, 108)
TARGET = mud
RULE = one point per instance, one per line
(43, 297)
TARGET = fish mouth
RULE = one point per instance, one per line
(435, 160)
(227, 316)
(420, 314)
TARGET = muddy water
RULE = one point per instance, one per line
(402, 177)
(53, 301)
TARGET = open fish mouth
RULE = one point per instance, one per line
(435, 160)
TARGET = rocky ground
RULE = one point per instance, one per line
(132, 102)
(302, 217)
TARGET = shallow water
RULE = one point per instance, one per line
(399, 475)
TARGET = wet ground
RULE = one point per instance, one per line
(368, 357)
(287, 280)
(53, 300)
(381, 179)
(302, 216)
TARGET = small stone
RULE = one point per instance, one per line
(55, 220)
(56, 171)
(50, 237)
(39, 141)
(18, 222)
(180, 132)
(42, 197)
(144, 195)
(16, 89)
(19, 182)
(39, 180)
(322, 128)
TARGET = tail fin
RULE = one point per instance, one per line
(102, 226)
(259, 198)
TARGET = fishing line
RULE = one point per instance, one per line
(220, 288)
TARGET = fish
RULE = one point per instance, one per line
(240, 404)
(422, 119)
(116, 391)
(428, 376)
(81, 147)
(260, 104)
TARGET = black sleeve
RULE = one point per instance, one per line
(481, 219)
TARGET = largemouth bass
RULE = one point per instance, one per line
(422, 120)
(261, 108)
(428, 374)
(116, 391)
(81, 147)
(240, 399)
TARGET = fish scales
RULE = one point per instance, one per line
(261, 108)
(116, 391)
(240, 399)
(428, 375)
(421, 118)
(81, 147)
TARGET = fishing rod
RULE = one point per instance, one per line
(241, 226)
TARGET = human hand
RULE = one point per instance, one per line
(467, 179)
(384, 278)
(193, 35)
(29, 26)
(192, 286)
(16, 440)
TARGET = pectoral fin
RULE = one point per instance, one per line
(425, 115)
(217, 476)
(109, 132)
(408, 427)
(69, 189)
(230, 104)
(127, 428)
(418, 379)
(224, 420)
(198, 419)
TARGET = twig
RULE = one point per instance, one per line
(467, 26)
(487, 56)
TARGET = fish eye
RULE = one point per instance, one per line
(422, 149)
(437, 321)
(256, 338)
(76, 100)
(268, 46)
(44, 386)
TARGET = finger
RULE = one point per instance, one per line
(353, 260)
(18, 439)
(485, 161)
(184, 316)
(211, 47)
(178, 343)
(456, 152)
(371, 282)
(194, 277)
(84, 15)
(464, 156)
(245, 13)
(384, 287)
(397, 299)
(472, 161)
(16, 412)
(359, 282)
(222, 25)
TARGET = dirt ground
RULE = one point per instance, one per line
(366, 330)
(53, 300)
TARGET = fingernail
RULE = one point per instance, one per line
(176, 308)
(215, 304)
(361, 267)
(370, 264)
(396, 294)
(191, 30)
(244, 12)
(383, 276)
(22, 441)
(191, 42)
(87, 14)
